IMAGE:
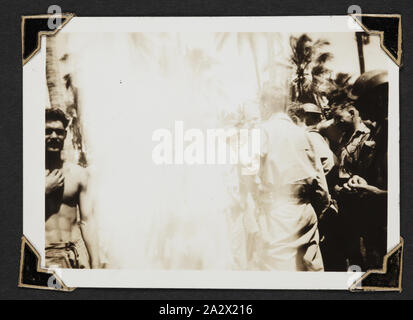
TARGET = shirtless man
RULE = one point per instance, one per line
(67, 203)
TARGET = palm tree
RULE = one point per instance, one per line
(52, 74)
(362, 38)
(311, 73)
(64, 95)
(340, 88)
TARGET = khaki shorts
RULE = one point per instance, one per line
(70, 255)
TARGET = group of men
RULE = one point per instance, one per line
(323, 193)
(323, 187)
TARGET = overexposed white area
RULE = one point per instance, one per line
(135, 76)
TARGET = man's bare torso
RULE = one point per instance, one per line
(62, 207)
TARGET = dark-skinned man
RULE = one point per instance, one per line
(69, 207)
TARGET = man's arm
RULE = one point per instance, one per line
(360, 184)
(319, 193)
(88, 223)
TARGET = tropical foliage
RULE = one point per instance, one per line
(310, 82)
(340, 88)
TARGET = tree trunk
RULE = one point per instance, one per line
(53, 75)
(359, 39)
(64, 95)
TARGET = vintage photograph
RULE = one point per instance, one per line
(194, 150)
(118, 196)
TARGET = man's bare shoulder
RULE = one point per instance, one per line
(77, 173)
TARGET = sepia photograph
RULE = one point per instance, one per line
(179, 153)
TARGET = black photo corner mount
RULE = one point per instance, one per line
(33, 27)
(31, 274)
(389, 29)
(387, 279)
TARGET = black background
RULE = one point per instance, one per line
(11, 149)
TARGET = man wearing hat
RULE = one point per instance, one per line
(311, 118)
(347, 233)
(370, 92)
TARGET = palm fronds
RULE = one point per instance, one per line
(340, 88)
(310, 68)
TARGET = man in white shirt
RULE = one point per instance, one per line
(291, 192)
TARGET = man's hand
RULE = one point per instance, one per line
(54, 180)
(354, 183)
(368, 189)
(360, 185)
(356, 180)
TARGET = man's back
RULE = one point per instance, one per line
(289, 231)
(288, 154)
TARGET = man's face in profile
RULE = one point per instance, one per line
(55, 136)
(344, 118)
